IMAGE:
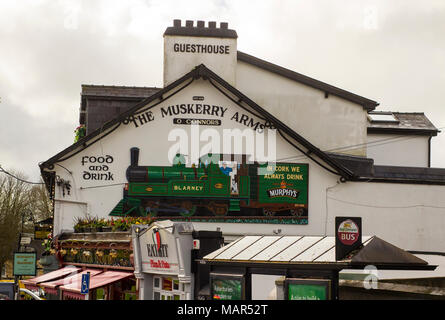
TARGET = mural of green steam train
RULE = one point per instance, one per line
(215, 188)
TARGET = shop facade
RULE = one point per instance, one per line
(164, 258)
(237, 145)
(106, 256)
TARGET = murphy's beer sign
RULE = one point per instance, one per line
(285, 181)
(283, 191)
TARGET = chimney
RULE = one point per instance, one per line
(189, 44)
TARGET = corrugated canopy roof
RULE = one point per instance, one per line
(314, 250)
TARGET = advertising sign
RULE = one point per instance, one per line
(308, 289)
(158, 251)
(41, 233)
(348, 232)
(284, 183)
(25, 264)
(217, 190)
(227, 287)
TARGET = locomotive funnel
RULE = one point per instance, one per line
(134, 155)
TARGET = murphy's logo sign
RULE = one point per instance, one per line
(157, 249)
(283, 191)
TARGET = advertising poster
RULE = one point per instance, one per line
(305, 289)
(224, 288)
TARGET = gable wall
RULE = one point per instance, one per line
(330, 124)
(407, 215)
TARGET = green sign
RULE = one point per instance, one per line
(225, 289)
(308, 289)
(284, 183)
(25, 264)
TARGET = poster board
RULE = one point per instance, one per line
(227, 286)
(25, 264)
(307, 289)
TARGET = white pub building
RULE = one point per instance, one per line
(239, 145)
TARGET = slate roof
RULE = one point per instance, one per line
(365, 170)
(408, 123)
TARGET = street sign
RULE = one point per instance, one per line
(25, 241)
(348, 231)
(85, 285)
(25, 264)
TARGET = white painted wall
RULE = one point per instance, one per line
(176, 64)
(332, 124)
(398, 150)
(152, 139)
(409, 216)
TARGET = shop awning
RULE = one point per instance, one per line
(51, 286)
(302, 252)
(57, 274)
(72, 290)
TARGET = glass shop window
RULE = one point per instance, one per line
(167, 288)
(157, 282)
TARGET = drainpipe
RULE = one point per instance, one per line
(429, 150)
(135, 234)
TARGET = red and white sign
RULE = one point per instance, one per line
(348, 232)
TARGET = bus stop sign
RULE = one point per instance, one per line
(348, 231)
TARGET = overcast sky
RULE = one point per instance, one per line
(390, 51)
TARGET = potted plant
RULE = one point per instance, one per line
(103, 225)
(48, 250)
(90, 224)
(79, 225)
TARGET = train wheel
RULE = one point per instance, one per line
(268, 212)
(296, 212)
(218, 209)
(187, 209)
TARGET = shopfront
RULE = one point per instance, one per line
(162, 256)
(307, 265)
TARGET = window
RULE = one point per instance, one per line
(167, 288)
(382, 117)
(157, 282)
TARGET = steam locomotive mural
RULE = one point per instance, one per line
(215, 188)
